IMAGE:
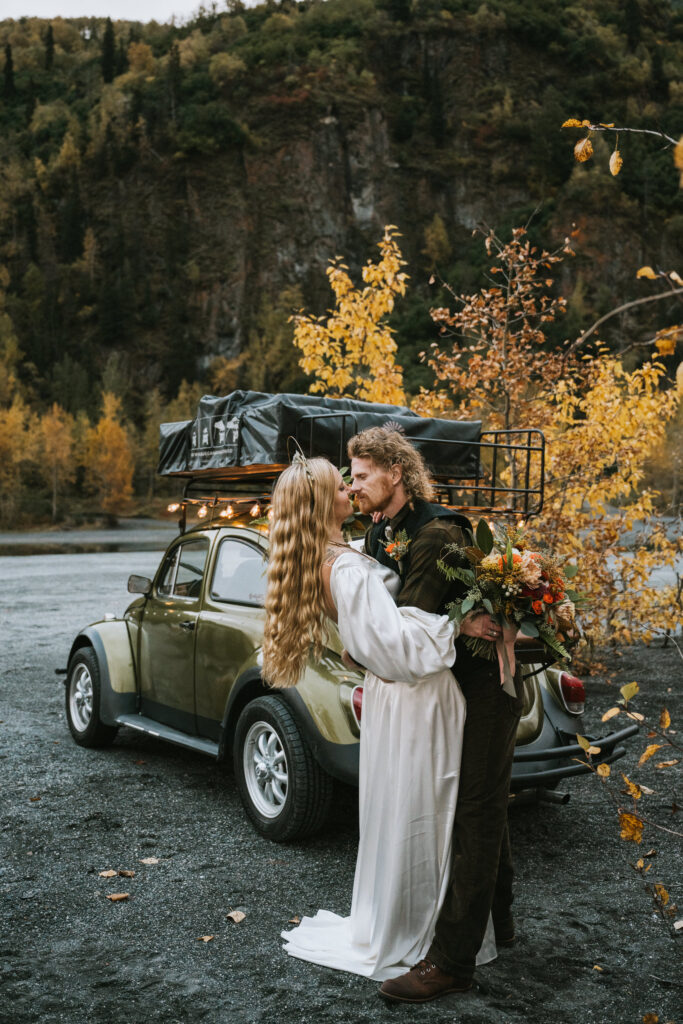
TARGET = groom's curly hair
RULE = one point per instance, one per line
(388, 447)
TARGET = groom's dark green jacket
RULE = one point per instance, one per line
(429, 528)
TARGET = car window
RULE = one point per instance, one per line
(165, 584)
(183, 569)
(240, 573)
(190, 571)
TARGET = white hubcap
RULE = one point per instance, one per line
(265, 769)
(81, 697)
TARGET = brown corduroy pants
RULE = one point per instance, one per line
(481, 868)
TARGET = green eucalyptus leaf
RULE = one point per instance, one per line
(570, 571)
(528, 628)
(484, 537)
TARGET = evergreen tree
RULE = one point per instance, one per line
(121, 58)
(631, 22)
(174, 74)
(108, 52)
(8, 90)
(49, 48)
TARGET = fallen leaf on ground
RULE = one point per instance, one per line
(651, 1018)
(294, 920)
(647, 791)
(116, 897)
(108, 874)
(34, 798)
(141, 762)
(636, 716)
(597, 967)
(650, 853)
(678, 925)
(149, 860)
(610, 714)
(666, 764)
(603, 770)
(236, 916)
(204, 938)
(126, 874)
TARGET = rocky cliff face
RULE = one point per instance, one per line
(203, 211)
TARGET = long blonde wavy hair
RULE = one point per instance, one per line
(302, 504)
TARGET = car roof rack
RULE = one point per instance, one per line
(489, 472)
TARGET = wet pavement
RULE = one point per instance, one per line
(67, 954)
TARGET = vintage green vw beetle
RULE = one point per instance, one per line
(184, 664)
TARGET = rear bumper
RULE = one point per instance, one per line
(546, 771)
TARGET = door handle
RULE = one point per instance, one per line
(188, 625)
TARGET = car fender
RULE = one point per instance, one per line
(326, 724)
(110, 641)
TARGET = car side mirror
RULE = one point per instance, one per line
(139, 585)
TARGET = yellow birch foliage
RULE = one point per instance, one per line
(17, 445)
(606, 427)
(600, 421)
(110, 458)
(56, 442)
(352, 353)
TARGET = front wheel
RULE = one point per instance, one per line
(83, 690)
(284, 790)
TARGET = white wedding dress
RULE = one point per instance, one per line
(410, 748)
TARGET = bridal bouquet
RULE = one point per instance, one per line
(526, 590)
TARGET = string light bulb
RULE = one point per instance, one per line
(255, 510)
(227, 513)
(173, 507)
(202, 512)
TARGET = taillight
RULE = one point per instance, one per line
(573, 692)
(357, 702)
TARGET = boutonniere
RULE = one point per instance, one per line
(397, 548)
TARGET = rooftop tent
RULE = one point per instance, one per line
(251, 429)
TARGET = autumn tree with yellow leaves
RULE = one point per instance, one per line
(56, 445)
(351, 352)
(601, 423)
(109, 458)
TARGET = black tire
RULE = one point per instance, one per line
(82, 700)
(269, 750)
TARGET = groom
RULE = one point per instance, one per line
(390, 477)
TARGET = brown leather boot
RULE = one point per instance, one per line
(421, 983)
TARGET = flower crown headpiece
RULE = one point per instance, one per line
(299, 459)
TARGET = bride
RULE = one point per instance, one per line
(411, 738)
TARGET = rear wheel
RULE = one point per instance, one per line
(83, 691)
(284, 790)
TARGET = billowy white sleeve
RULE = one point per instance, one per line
(397, 644)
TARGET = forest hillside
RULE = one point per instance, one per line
(169, 194)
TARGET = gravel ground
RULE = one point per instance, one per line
(68, 954)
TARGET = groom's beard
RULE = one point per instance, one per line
(377, 500)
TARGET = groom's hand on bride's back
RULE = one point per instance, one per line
(350, 663)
